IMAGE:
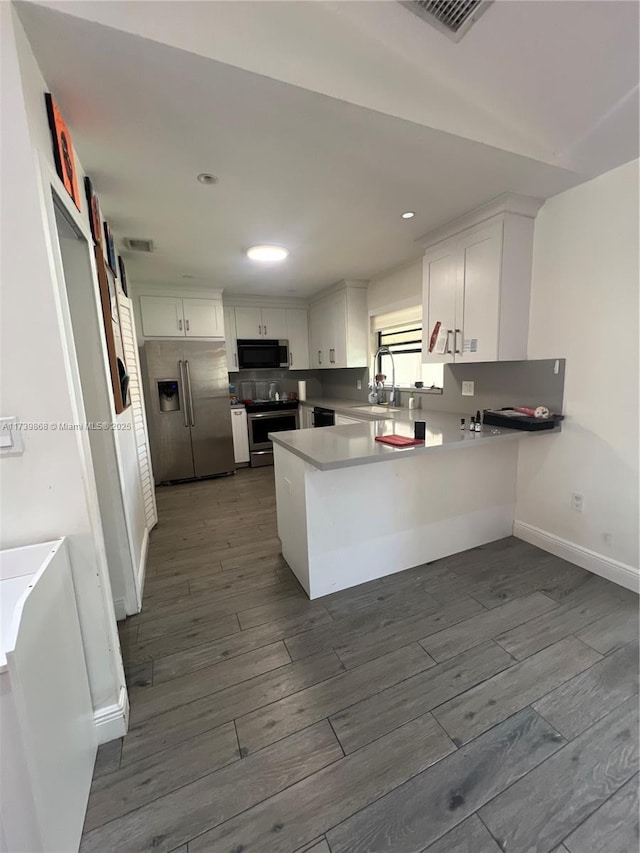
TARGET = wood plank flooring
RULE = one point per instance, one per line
(486, 702)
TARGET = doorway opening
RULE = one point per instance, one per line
(96, 391)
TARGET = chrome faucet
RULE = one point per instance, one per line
(373, 396)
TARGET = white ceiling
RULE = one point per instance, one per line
(385, 115)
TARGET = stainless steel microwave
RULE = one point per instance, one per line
(261, 354)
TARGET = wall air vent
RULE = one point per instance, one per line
(136, 244)
(454, 18)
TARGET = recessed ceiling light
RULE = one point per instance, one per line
(206, 178)
(408, 215)
(267, 253)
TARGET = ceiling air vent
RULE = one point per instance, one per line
(136, 244)
(454, 18)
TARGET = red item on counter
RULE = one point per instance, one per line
(398, 440)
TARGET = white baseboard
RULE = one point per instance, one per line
(121, 609)
(112, 721)
(599, 564)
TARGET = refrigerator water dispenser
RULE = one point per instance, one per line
(169, 395)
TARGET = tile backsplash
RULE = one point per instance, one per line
(497, 384)
(287, 379)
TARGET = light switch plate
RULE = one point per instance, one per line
(10, 437)
(468, 389)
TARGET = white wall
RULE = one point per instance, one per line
(399, 288)
(584, 306)
(49, 491)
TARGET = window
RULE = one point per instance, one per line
(405, 342)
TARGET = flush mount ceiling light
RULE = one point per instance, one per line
(267, 253)
(206, 178)
(408, 215)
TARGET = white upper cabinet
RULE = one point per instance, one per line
(203, 318)
(278, 324)
(252, 323)
(339, 329)
(231, 338)
(274, 324)
(162, 316)
(248, 323)
(476, 287)
(298, 337)
(171, 317)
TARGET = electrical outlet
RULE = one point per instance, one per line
(359, 384)
(577, 501)
(468, 389)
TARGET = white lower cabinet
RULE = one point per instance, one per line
(306, 417)
(240, 436)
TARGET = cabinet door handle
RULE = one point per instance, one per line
(332, 356)
(186, 323)
(180, 326)
(265, 331)
(184, 392)
(259, 331)
(290, 358)
(319, 356)
(455, 341)
(448, 348)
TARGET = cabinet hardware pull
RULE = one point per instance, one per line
(179, 325)
(265, 331)
(319, 356)
(193, 420)
(186, 325)
(448, 348)
(184, 392)
(455, 341)
(290, 358)
(259, 331)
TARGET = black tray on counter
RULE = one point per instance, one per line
(516, 420)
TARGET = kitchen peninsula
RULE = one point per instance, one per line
(351, 509)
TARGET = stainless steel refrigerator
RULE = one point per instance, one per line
(188, 411)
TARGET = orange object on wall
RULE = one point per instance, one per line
(63, 150)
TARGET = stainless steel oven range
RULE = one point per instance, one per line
(263, 418)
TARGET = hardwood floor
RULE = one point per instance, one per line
(485, 702)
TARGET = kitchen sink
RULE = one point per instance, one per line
(375, 410)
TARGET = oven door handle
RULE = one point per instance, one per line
(255, 415)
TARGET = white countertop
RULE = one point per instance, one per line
(328, 448)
